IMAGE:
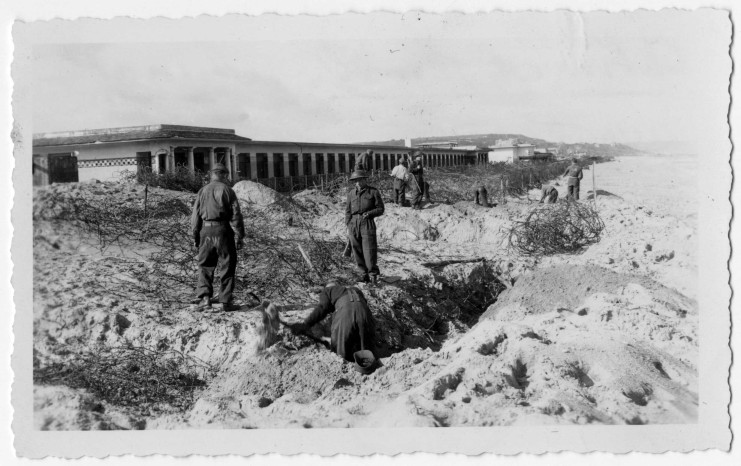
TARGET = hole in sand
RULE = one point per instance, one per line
(578, 371)
(492, 347)
(518, 377)
(639, 396)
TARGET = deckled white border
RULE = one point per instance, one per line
(71, 9)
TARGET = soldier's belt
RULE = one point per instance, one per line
(214, 223)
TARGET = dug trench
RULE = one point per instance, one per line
(489, 342)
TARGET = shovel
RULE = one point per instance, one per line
(348, 249)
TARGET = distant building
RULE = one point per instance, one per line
(510, 153)
(437, 145)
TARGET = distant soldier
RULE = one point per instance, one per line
(575, 174)
(363, 160)
(549, 194)
(353, 327)
(364, 204)
(400, 174)
(215, 220)
(418, 181)
(482, 196)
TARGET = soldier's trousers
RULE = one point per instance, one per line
(362, 233)
(418, 185)
(218, 253)
(400, 188)
(353, 329)
(573, 191)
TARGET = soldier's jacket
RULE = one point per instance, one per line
(368, 200)
(574, 173)
(217, 202)
(547, 189)
(335, 297)
(417, 170)
(353, 326)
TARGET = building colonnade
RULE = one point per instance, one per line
(263, 163)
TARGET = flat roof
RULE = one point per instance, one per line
(373, 147)
(134, 133)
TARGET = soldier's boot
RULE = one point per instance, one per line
(225, 307)
(204, 304)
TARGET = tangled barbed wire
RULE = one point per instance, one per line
(157, 258)
(565, 227)
(131, 376)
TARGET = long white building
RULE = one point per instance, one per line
(103, 153)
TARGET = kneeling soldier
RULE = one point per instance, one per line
(353, 327)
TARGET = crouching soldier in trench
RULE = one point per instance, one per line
(364, 204)
(216, 219)
(353, 326)
(481, 196)
(549, 194)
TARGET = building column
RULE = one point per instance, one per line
(271, 161)
(287, 165)
(211, 158)
(170, 159)
(228, 162)
(253, 165)
(191, 161)
(233, 153)
(312, 165)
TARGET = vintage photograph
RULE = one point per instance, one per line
(375, 220)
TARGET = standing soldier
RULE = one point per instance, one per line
(363, 160)
(419, 181)
(215, 220)
(364, 203)
(575, 175)
(400, 175)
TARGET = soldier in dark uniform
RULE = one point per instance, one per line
(364, 203)
(216, 219)
(575, 174)
(549, 194)
(353, 327)
(363, 160)
(482, 196)
(419, 182)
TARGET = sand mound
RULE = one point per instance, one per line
(460, 224)
(256, 193)
(565, 286)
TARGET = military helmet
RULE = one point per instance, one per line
(365, 361)
(219, 167)
(358, 174)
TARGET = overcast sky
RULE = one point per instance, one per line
(561, 76)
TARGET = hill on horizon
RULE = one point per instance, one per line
(489, 140)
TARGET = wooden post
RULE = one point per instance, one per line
(146, 228)
(594, 186)
(501, 181)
